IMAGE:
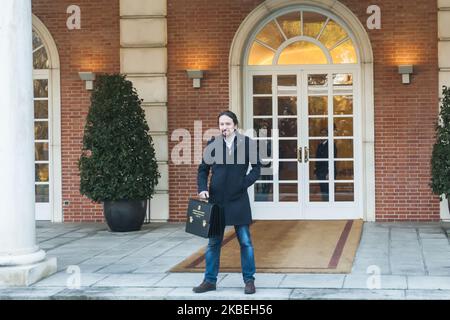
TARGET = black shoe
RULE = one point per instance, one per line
(204, 287)
(250, 287)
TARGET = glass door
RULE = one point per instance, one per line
(305, 121)
(329, 145)
(42, 144)
(274, 119)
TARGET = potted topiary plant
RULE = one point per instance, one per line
(440, 159)
(117, 163)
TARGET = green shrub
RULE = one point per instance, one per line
(440, 160)
(118, 157)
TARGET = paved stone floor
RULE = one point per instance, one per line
(393, 261)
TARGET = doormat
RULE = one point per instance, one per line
(289, 246)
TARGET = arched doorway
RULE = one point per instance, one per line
(46, 99)
(302, 82)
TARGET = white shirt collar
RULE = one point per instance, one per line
(229, 140)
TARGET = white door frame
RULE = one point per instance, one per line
(363, 46)
(54, 96)
(43, 210)
(307, 209)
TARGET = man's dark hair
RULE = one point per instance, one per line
(230, 114)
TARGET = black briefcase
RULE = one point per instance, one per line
(204, 219)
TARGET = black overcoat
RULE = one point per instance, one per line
(229, 177)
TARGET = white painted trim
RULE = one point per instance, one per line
(304, 209)
(361, 40)
(54, 119)
(302, 38)
(445, 214)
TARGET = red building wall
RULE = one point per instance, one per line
(200, 33)
(95, 47)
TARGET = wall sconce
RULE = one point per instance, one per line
(406, 71)
(196, 75)
(89, 77)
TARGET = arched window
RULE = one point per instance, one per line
(47, 124)
(41, 126)
(302, 37)
(40, 56)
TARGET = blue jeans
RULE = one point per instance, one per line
(212, 255)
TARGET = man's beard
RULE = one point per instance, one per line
(225, 131)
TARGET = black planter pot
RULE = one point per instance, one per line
(124, 215)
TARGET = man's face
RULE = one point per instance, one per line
(226, 125)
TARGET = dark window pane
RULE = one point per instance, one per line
(41, 151)
(263, 127)
(262, 84)
(40, 59)
(40, 88)
(319, 192)
(318, 84)
(37, 42)
(41, 130)
(40, 109)
(42, 192)
(343, 127)
(263, 191)
(318, 170)
(343, 148)
(288, 170)
(262, 106)
(287, 127)
(287, 84)
(288, 192)
(318, 127)
(288, 149)
(318, 149)
(287, 106)
(344, 192)
(344, 170)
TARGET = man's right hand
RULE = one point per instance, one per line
(203, 195)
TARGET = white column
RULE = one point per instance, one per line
(21, 260)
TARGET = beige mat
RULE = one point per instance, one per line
(289, 246)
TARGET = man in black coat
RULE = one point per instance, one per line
(321, 170)
(228, 157)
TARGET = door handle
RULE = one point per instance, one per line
(299, 154)
(306, 154)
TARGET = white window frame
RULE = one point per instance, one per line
(343, 15)
(308, 210)
(54, 118)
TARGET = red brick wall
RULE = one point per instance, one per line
(200, 33)
(95, 47)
